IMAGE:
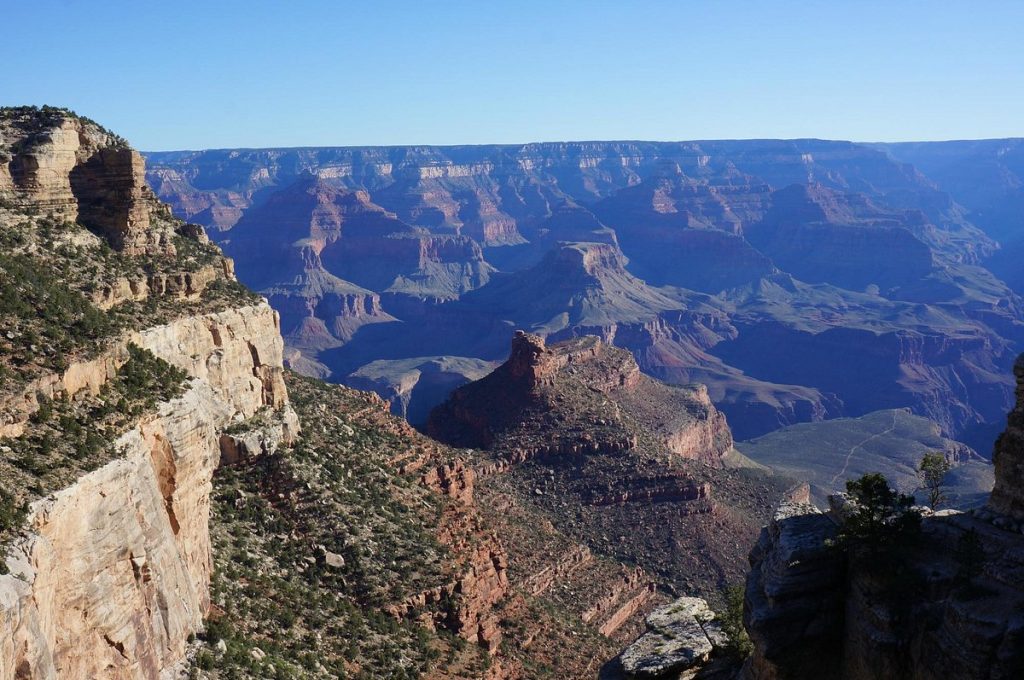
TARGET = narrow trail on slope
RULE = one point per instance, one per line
(853, 448)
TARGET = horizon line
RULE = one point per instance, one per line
(957, 140)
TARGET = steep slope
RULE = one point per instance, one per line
(577, 286)
(987, 178)
(822, 236)
(324, 256)
(688, 232)
(162, 513)
(946, 361)
(357, 241)
(357, 552)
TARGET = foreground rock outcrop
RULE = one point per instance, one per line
(1008, 493)
(951, 605)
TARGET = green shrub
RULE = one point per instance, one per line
(12, 513)
(882, 517)
(205, 660)
(731, 619)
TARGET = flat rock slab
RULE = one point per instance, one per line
(676, 639)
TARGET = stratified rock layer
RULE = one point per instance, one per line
(73, 168)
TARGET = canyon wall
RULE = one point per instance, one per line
(113, 574)
(109, 575)
(744, 265)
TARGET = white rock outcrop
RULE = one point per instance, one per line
(680, 636)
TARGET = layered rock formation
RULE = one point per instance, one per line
(75, 169)
(507, 191)
(955, 610)
(355, 240)
(319, 310)
(823, 236)
(602, 402)
(109, 576)
(985, 177)
(794, 604)
(828, 247)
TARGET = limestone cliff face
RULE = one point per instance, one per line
(112, 575)
(818, 612)
(109, 575)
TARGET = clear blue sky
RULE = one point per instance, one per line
(183, 74)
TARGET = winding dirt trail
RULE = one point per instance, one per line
(853, 448)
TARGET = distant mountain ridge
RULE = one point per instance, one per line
(798, 279)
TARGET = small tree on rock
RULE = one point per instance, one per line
(880, 534)
(932, 472)
(882, 516)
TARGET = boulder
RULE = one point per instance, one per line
(680, 636)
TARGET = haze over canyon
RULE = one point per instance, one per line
(799, 280)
